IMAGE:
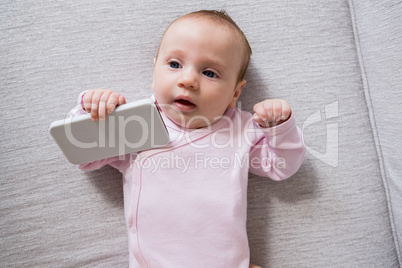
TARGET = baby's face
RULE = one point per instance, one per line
(196, 72)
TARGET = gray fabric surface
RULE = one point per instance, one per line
(379, 30)
(340, 209)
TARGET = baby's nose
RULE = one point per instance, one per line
(189, 80)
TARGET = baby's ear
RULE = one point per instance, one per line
(237, 93)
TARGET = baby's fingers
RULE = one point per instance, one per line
(260, 121)
(284, 111)
(260, 116)
(102, 110)
(87, 100)
(95, 104)
(114, 100)
(122, 100)
(276, 111)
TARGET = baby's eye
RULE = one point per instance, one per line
(210, 74)
(174, 65)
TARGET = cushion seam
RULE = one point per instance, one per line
(370, 110)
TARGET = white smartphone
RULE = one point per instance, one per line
(132, 127)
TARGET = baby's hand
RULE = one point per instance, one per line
(271, 112)
(100, 102)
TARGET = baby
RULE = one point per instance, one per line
(185, 204)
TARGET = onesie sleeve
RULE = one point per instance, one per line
(278, 152)
(79, 108)
(118, 162)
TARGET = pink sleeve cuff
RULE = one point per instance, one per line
(81, 100)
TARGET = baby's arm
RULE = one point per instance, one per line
(100, 102)
(270, 113)
(280, 152)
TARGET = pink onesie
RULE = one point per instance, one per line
(185, 204)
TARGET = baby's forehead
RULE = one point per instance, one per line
(203, 20)
(210, 23)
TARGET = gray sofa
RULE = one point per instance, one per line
(337, 62)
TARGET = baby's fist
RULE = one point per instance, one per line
(271, 112)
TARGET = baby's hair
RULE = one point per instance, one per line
(221, 17)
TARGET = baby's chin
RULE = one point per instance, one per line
(188, 121)
(191, 123)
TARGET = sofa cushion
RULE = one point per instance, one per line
(334, 212)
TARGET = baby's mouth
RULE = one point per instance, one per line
(184, 104)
